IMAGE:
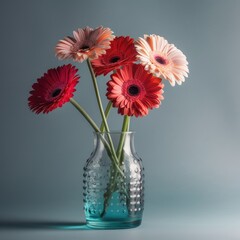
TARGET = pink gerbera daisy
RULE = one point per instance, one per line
(121, 52)
(53, 89)
(85, 43)
(134, 91)
(162, 59)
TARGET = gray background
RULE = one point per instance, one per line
(190, 146)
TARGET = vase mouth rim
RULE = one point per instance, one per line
(114, 132)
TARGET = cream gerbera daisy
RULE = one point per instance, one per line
(162, 59)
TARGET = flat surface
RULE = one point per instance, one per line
(174, 227)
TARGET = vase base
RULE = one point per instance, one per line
(101, 224)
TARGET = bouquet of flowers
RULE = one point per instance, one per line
(134, 87)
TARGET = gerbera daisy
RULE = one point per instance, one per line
(85, 43)
(122, 52)
(53, 89)
(134, 91)
(162, 59)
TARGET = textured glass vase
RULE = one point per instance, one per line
(113, 183)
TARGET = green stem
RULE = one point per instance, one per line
(95, 127)
(112, 155)
(128, 127)
(125, 128)
(95, 85)
(107, 111)
(85, 114)
(114, 174)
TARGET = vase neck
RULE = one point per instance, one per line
(117, 138)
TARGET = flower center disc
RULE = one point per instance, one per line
(114, 59)
(133, 90)
(85, 47)
(161, 60)
(56, 92)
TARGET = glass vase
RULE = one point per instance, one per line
(113, 185)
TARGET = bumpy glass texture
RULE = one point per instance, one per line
(113, 199)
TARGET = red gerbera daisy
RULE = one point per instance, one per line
(134, 91)
(122, 52)
(53, 89)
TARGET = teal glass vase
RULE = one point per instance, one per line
(113, 185)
